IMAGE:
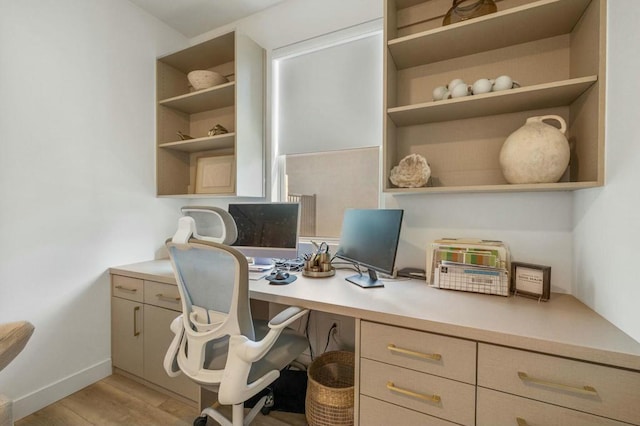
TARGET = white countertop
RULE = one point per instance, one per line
(562, 326)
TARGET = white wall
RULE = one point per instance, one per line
(77, 185)
(537, 227)
(77, 178)
(606, 220)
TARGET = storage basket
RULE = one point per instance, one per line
(329, 400)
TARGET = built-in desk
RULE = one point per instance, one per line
(533, 358)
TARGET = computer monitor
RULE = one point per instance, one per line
(266, 231)
(370, 238)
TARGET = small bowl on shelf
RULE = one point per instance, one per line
(204, 79)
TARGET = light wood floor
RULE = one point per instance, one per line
(117, 400)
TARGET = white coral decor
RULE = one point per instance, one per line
(413, 171)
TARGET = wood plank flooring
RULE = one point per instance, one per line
(117, 400)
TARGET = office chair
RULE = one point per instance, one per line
(216, 343)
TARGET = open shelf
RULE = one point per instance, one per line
(182, 166)
(555, 48)
(521, 24)
(208, 143)
(547, 95)
(203, 100)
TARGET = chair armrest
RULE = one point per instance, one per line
(286, 317)
(170, 362)
(251, 351)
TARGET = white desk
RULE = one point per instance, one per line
(564, 326)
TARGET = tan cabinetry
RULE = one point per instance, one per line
(413, 371)
(141, 312)
(542, 383)
(555, 49)
(237, 105)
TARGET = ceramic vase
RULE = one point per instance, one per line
(537, 152)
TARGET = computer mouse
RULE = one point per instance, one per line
(280, 275)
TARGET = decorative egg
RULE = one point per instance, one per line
(439, 92)
(484, 85)
(453, 83)
(460, 90)
(504, 82)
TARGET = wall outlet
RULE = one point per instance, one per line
(336, 331)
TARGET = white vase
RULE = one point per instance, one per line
(536, 153)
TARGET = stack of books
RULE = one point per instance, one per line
(479, 266)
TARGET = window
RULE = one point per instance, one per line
(327, 125)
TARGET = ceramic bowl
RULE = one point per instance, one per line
(203, 79)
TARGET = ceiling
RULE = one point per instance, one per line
(195, 17)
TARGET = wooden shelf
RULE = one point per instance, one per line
(530, 22)
(203, 100)
(237, 105)
(536, 187)
(556, 47)
(208, 143)
(547, 95)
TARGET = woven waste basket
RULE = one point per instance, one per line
(329, 400)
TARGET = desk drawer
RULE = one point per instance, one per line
(454, 401)
(596, 389)
(501, 409)
(430, 353)
(126, 288)
(374, 412)
(163, 295)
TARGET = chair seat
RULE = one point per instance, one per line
(285, 350)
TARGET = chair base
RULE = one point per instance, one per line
(238, 417)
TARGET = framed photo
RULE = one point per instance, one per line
(531, 280)
(215, 175)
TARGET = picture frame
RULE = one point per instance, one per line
(530, 280)
(215, 175)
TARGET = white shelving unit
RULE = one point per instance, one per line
(555, 49)
(237, 105)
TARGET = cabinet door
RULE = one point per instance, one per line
(126, 335)
(158, 336)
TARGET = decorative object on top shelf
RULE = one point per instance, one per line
(218, 129)
(204, 79)
(531, 280)
(461, 10)
(504, 82)
(413, 171)
(183, 136)
(457, 88)
(536, 153)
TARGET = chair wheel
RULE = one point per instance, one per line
(268, 403)
(200, 421)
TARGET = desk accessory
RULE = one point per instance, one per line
(479, 266)
(531, 280)
(318, 263)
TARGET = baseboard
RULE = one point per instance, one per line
(47, 395)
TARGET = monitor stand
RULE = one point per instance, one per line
(366, 281)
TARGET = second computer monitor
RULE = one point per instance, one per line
(370, 239)
(266, 231)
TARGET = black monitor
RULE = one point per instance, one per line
(370, 238)
(266, 231)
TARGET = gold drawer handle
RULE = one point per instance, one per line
(394, 348)
(430, 398)
(585, 390)
(136, 333)
(130, 290)
(168, 298)
(521, 421)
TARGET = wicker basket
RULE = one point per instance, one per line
(329, 400)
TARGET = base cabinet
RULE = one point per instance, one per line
(141, 312)
(431, 379)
